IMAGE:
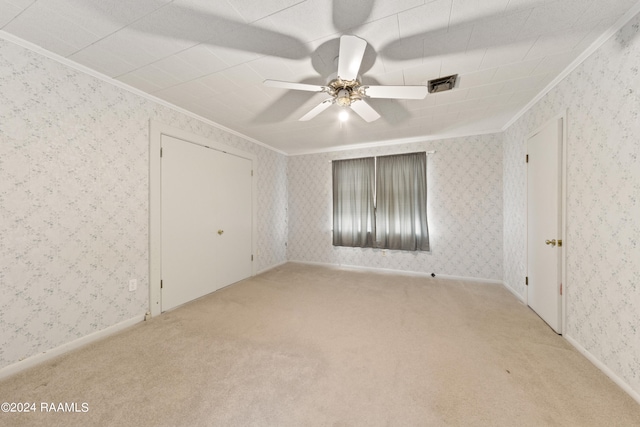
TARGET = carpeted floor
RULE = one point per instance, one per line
(306, 345)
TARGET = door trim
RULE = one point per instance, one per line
(563, 208)
(156, 130)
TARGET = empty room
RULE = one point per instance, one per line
(320, 212)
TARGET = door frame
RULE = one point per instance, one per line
(156, 130)
(563, 208)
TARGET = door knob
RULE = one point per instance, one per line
(222, 231)
(550, 242)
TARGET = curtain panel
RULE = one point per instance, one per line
(401, 202)
(353, 202)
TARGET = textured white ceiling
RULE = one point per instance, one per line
(211, 57)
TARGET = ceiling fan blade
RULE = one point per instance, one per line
(294, 86)
(350, 57)
(365, 111)
(317, 110)
(396, 92)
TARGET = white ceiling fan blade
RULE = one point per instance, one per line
(350, 57)
(365, 111)
(294, 86)
(396, 92)
(317, 110)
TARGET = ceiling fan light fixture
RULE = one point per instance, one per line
(343, 116)
(343, 98)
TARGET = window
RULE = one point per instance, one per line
(381, 202)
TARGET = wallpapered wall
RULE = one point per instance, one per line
(464, 209)
(74, 215)
(602, 100)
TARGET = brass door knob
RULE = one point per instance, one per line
(220, 232)
(550, 242)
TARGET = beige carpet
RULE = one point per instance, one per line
(313, 346)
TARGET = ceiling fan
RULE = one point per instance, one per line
(346, 88)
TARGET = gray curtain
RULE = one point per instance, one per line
(353, 202)
(401, 202)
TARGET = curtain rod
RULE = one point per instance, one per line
(427, 152)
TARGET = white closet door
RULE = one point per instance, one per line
(234, 219)
(188, 221)
(206, 220)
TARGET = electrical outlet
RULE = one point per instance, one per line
(384, 253)
(133, 285)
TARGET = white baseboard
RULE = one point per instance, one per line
(515, 294)
(37, 359)
(469, 279)
(264, 270)
(402, 272)
(608, 372)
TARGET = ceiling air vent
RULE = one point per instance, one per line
(442, 84)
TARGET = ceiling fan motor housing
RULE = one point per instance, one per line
(345, 92)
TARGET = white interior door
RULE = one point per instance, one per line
(233, 189)
(206, 218)
(544, 223)
(188, 221)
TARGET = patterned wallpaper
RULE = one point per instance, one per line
(464, 209)
(74, 197)
(602, 101)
